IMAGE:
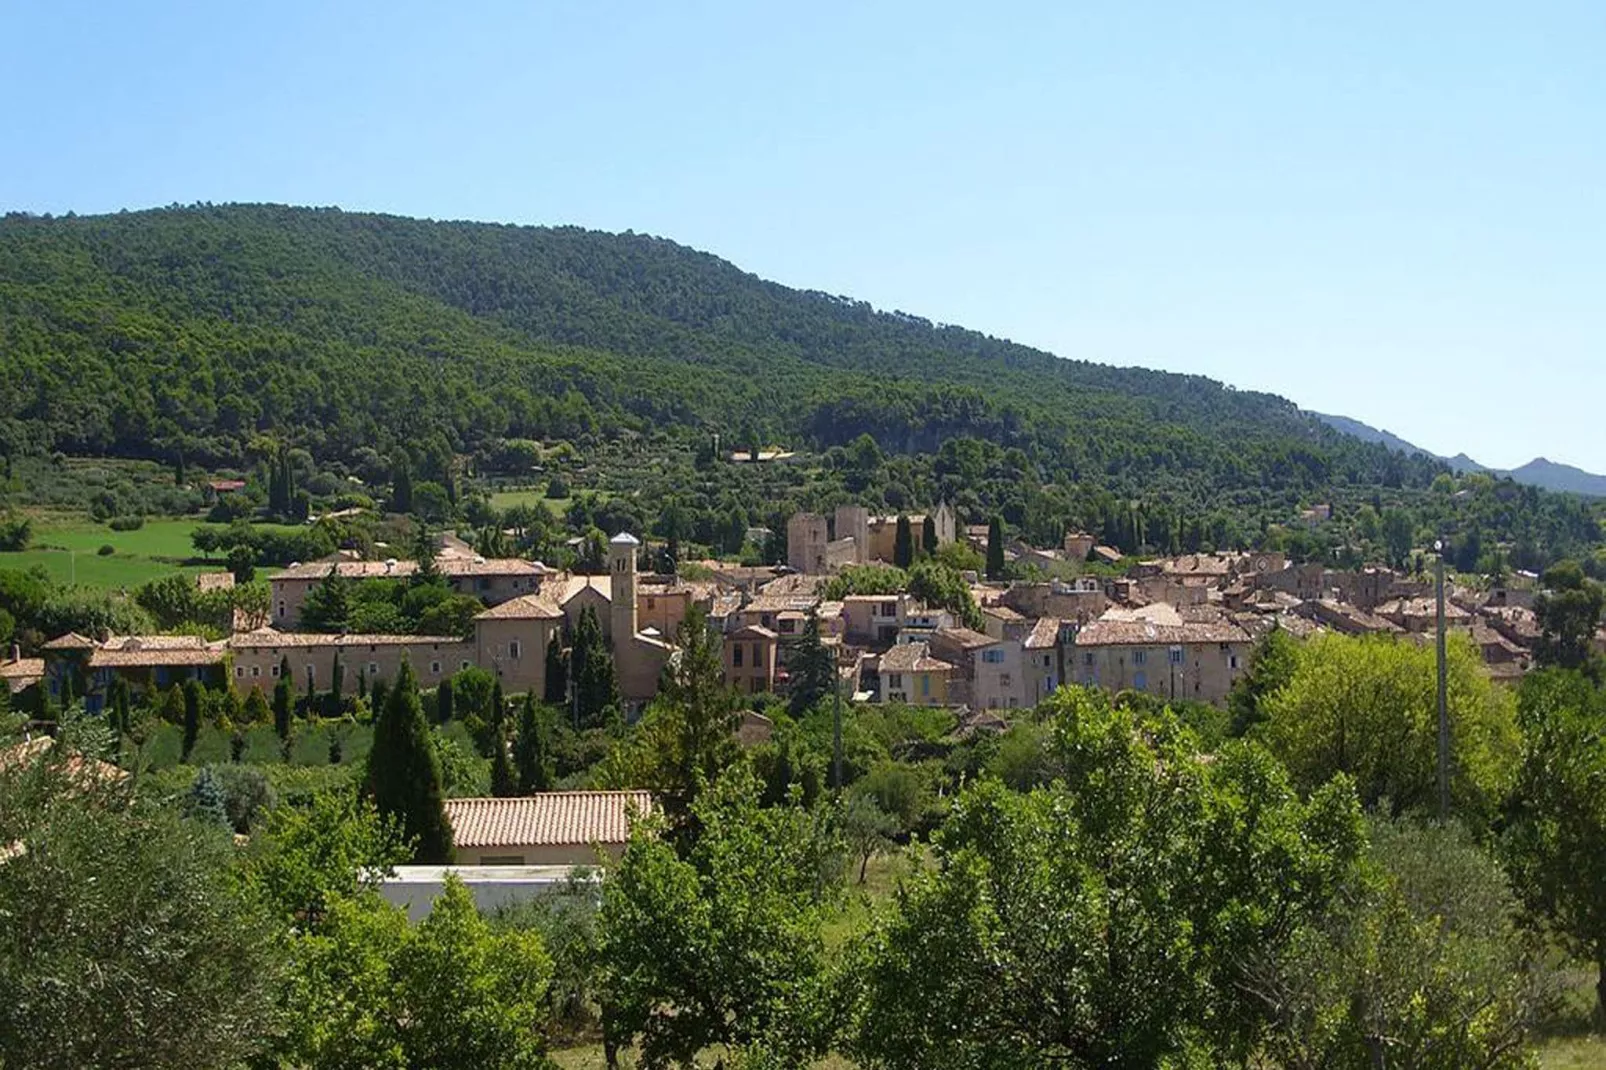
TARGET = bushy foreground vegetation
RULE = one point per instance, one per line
(1110, 883)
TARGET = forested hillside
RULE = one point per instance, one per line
(194, 333)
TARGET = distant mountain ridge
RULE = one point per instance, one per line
(1539, 472)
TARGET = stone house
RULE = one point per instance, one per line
(749, 654)
(908, 673)
(1162, 655)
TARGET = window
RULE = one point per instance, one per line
(256, 670)
(1232, 661)
(464, 664)
(275, 670)
(758, 655)
(652, 603)
(502, 860)
(373, 670)
(1140, 657)
(1005, 680)
(310, 673)
(434, 668)
(239, 670)
(895, 679)
(281, 610)
(1140, 680)
(482, 584)
(1177, 657)
(1087, 659)
(994, 656)
(925, 685)
(736, 655)
(513, 649)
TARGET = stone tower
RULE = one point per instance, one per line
(853, 522)
(806, 543)
(622, 582)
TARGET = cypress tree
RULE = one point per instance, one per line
(283, 700)
(556, 691)
(401, 488)
(337, 684)
(995, 548)
(362, 683)
(378, 693)
(404, 772)
(903, 544)
(533, 753)
(444, 702)
(595, 687)
(498, 708)
(256, 709)
(121, 718)
(192, 715)
(503, 783)
(309, 708)
(928, 536)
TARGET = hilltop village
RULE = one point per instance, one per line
(1182, 629)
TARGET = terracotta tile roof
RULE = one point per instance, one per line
(21, 672)
(214, 581)
(965, 638)
(1420, 607)
(766, 603)
(139, 651)
(450, 565)
(1044, 634)
(913, 657)
(70, 641)
(81, 772)
(554, 818)
(1108, 632)
(1002, 612)
(525, 607)
(574, 586)
(753, 631)
(268, 637)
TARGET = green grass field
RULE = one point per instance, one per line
(67, 547)
(507, 499)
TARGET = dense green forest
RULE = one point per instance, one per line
(191, 334)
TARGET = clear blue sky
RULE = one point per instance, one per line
(1395, 211)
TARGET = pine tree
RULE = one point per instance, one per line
(205, 801)
(445, 704)
(903, 545)
(995, 548)
(404, 772)
(556, 691)
(533, 753)
(192, 715)
(283, 700)
(503, 782)
(813, 668)
(928, 536)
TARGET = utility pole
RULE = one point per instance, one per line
(1444, 688)
(836, 726)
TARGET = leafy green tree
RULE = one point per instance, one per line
(256, 709)
(995, 548)
(1054, 916)
(334, 846)
(903, 544)
(940, 587)
(404, 772)
(812, 667)
(1270, 669)
(1569, 610)
(1399, 536)
(1367, 708)
(533, 749)
(867, 830)
(1556, 828)
(722, 947)
(128, 940)
(1419, 963)
(242, 561)
(556, 683)
(451, 993)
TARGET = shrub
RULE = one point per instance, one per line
(262, 746)
(310, 747)
(106, 549)
(126, 523)
(165, 746)
(212, 747)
